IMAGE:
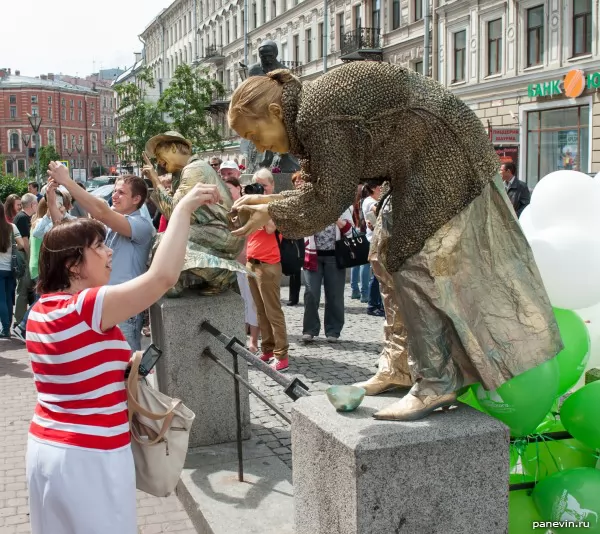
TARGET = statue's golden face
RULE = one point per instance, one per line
(168, 157)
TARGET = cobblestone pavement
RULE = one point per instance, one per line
(317, 364)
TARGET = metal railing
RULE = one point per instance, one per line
(293, 388)
(361, 39)
(213, 51)
(294, 66)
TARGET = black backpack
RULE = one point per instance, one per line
(292, 254)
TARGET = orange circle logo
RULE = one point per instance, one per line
(574, 83)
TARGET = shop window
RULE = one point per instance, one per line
(494, 28)
(460, 56)
(582, 27)
(557, 139)
(535, 36)
(418, 9)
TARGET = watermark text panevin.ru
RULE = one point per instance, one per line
(561, 524)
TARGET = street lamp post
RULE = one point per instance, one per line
(79, 149)
(69, 152)
(26, 138)
(15, 168)
(36, 122)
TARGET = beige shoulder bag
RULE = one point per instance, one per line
(160, 431)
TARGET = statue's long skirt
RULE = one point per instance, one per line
(473, 301)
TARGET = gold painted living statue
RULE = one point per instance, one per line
(465, 280)
(210, 261)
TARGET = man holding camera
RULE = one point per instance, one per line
(264, 261)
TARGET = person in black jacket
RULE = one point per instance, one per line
(517, 190)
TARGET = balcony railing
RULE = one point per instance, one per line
(220, 103)
(362, 43)
(294, 66)
(213, 54)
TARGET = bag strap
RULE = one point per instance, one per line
(163, 430)
(132, 393)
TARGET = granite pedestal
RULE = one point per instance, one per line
(185, 372)
(352, 474)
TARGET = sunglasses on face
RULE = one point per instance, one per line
(214, 164)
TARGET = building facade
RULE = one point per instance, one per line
(101, 82)
(529, 69)
(70, 121)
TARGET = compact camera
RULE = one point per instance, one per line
(254, 189)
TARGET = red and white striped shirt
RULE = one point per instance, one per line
(79, 373)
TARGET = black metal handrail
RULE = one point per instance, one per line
(294, 388)
(361, 39)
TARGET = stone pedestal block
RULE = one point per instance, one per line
(186, 373)
(446, 474)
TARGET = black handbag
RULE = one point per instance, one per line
(17, 261)
(352, 251)
(292, 254)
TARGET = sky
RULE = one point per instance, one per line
(75, 37)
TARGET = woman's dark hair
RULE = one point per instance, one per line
(5, 231)
(9, 206)
(369, 187)
(62, 249)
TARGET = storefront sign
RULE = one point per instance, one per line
(573, 84)
(504, 136)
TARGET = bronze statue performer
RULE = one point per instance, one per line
(474, 305)
(210, 262)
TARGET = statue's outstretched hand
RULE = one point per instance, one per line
(200, 195)
(254, 200)
(257, 216)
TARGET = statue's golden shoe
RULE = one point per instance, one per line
(411, 408)
(380, 383)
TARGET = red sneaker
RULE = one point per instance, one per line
(280, 365)
(265, 357)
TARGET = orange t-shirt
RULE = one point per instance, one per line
(263, 247)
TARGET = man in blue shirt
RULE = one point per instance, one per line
(129, 234)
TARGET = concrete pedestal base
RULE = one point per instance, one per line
(446, 474)
(186, 373)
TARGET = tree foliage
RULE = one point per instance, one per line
(47, 154)
(187, 100)
(139, 120)
(11, 184)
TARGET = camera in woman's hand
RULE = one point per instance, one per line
(254, 189)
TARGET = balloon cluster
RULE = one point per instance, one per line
(562, 225)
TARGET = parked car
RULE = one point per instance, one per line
(95, 183)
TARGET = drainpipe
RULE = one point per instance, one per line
(246, 32)
(434, 41)
(427, 43)
(195, 24)
(325, 34)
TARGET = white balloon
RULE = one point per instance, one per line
(597, 175)
(569, 262)
(566, 198)
(526, 222)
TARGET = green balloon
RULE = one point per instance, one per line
(551, 423)
(576, 353)
(467, 396)
(571, 495)
(520, 478)
(580, 414)
(522, 513)
(513, 455)
(523, 401)
(545, 458)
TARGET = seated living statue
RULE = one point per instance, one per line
(473, 305)
(210, 261)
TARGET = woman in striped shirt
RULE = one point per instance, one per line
(80, 468)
